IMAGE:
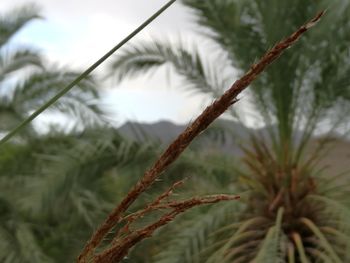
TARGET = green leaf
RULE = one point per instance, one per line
(322, 239)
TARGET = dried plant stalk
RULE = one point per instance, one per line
(184, 139)
(156, 204)
(121, 247)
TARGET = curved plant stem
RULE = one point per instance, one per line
(121, 248)
(83, 75)
(291, 253)
(323, 241)
(300, 248)
(174, 150)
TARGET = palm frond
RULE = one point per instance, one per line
(68, 185)
(39, 87)
(322, 240)
(300, 248)
(307, 81)
(9, 117)
(18, 243)
(273, 247)
(189, 64)
(187, 245)
(14, 20)
(67, 172)
(86, 111)
(335, 214)
(12, 61)
(231, 249)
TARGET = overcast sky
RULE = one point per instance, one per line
(77, 32)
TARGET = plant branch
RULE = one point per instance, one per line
(212, 112)
(121, 246)
(156, 204)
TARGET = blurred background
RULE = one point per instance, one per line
(284, 146)
(77, 36)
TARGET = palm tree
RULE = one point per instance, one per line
(33, 225)
(294, 211)
(25, 81)
(55, 189)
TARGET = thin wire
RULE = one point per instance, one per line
(84, 74)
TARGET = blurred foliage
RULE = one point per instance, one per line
(55, 188)
(27, 82)
(286, 213)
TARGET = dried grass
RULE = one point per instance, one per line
(121, 245)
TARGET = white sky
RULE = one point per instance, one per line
(76, 33)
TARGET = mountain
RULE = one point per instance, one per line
(222, 136)
(226, 137)
(162, 131)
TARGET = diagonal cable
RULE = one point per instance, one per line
(84, 74)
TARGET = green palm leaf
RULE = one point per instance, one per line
(272, 248)
(15, 20)
(188, 244)
(198, 74)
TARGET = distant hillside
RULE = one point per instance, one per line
(226, 136)
(163, 131)
(223, 136)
